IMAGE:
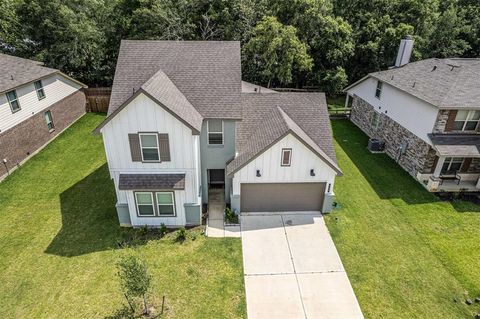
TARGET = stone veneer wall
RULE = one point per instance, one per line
(20, 141)
(441, 121)
(419, 156)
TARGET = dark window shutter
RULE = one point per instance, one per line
(164, 147)
(451, 120)
(135, 150)
(466, 165)
(434, 165)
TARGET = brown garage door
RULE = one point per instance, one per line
(282, 197)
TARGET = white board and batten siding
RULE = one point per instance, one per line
(414, 114)
(144, 115)
(269, 164)
(56, 88)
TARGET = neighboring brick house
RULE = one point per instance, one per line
(428, 114)
(182, 123)
(36, 104)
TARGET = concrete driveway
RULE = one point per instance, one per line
(292, 269)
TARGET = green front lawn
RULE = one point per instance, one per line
(59, 242)
(407, 254)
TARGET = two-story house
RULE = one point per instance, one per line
(36, 104)
(181, 122)
(427, 113)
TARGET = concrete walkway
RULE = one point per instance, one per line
(292, 269)
(215, 222)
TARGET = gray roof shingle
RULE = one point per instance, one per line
(162, 89)
(270, 116)
(445, 83)
(15, 71)
(151, 181)
(208, 73)
(456, 144)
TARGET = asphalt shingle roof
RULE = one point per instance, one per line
(15, 71)
(208, 73)
(445, 83)
(456, 144)
(161, 88)
(151, 181)
(270, 116)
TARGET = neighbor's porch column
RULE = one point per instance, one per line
(347, 100)
(438, 168)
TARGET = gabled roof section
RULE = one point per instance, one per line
(266, 122)
(445, 83)
(15, 71)
(163, 91)
(208, 73)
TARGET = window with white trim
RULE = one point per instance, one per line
(149, 147)
(466, 120)
(375, 121)
(165, 203)
(49, 120)
(215, 132)
(145, 205)
(452, 165)
(286, 156)
(39, 88)
(13, 101)
(378, 91)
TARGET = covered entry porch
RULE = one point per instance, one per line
(457, 165)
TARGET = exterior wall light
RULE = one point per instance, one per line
(312, 172)
(258, 173)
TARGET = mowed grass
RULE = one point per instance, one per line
(59, 244)
(407, 254)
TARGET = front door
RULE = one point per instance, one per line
(216, 178)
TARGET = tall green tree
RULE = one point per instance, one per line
(10, 35)
(274, 54)
(65, 35)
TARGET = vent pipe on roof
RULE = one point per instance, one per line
(404, 51)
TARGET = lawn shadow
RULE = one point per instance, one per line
(89, 218)
(385, 176)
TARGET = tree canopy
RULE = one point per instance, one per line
(297, 43)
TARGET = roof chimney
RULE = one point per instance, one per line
(404, 51)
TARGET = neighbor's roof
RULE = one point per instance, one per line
(269, 117)
(151, 181)
(456, 144)
(445, 83)
(15, 71)
(208, 73)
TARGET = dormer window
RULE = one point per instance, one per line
(286, 156)
(215, 132)
(378, 91)
(466, 120)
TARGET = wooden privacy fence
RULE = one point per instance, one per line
(97, 99)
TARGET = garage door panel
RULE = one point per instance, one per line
(280, 197)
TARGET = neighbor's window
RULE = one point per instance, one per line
(452, 165)
(466, 120)
(165, 204)
(144, 201)
(39, 88)
(378, 91)
(215, 132)
(149, 146)
(375, 121)
(13, 101)
(286, 156)
(49, 120)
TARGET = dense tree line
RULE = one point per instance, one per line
(321, 43)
